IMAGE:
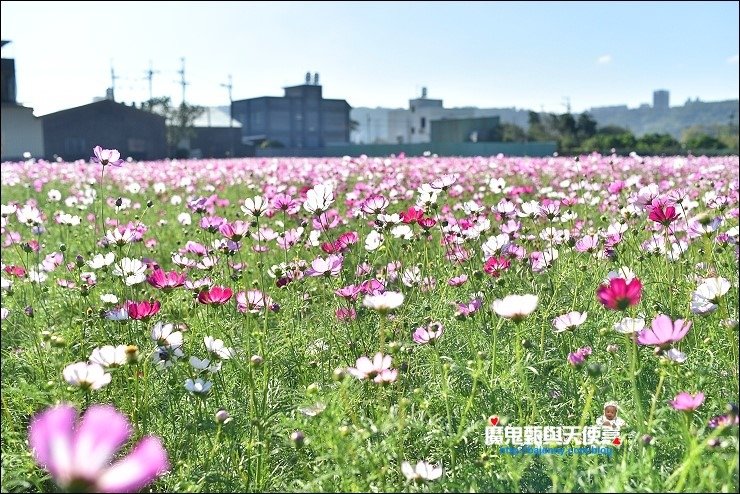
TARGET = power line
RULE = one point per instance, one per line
(149, 76)
(183, 83)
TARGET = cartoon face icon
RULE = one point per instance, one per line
(610, 412)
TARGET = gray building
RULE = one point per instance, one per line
(483, 129)
(660, 99)
(21, 133)
(301, 119)
(73, 133)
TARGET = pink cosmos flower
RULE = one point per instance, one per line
(458, 280)
(412, 215)
(78, 454)
(494, 266)
(234, 231)
(577, 358)
(349, 292)
(618, 294)
(346, 314)
(106, 156)
(662, 214)
(253, 301)
(331, 266)
(687, 402)
(664, 332)
(141, 311)
(378, 369)
(217, 295)
(166, 281)
(429, 333)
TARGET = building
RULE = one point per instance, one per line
(21, 133)
(73, 133)
(484, 129)
(660, 100)
(301, 119)
(413, 125)
(217, 135)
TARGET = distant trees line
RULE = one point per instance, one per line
(581, 134)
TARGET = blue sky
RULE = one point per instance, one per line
(487, 54)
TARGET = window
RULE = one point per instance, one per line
(423, 123)
(413, 130)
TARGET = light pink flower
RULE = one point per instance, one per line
(664, 331)
(78, 454)
(687, 402)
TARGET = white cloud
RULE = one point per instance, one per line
(734, 59)
(604, 59)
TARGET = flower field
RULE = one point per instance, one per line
(366, 324)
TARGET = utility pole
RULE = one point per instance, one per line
(113, 78)
(150, 75)
(567, 103)
(230, 86)
(182, 78)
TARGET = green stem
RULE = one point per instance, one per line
(655, 397)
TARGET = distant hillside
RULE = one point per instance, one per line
(646, 120)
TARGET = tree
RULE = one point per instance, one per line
(657, 144)
(509, 132)
(586, 126)
(179, 121)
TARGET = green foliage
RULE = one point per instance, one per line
(179, 122)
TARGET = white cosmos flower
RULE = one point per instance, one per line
(217, 347)
(5, 285)
(422, 471)
(199, 386)
(109, 356)
(569, 321)
(165, 335)
(515, 307)
(37, 276)
(205, 364)
(254, 206)
(4, 313)
(84, 375)
(624, 272)
(629, 325)
(713, 288)
(373, 241)
(319, 199)
(28, 215)
(675, 355)
(702, 306)
(131, 270)
(384, 302)
(109, 298)
(402, 231)
(184, 219)
(165, 356)
(101, 260)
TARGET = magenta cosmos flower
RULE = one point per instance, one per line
(78, 454)
(687, 402)
(618, 294)
(664, 331)
(142, 310)
(217, 295)
(106, 156)
(662, 214)
(166, 281)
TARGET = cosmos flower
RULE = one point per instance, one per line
(86, 376)
(106, 157)
(568, 321)
(384, 302)
(429, 333)
(618, 294)
(423, 471)
(686, 402)
(78, 453)
(515, 307)
(664, 332)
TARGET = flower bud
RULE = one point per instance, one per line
(222, 416)
(339, 374)
(256, 360)
(647, 439)
(298, 438)
(612, 348)
(132, 354)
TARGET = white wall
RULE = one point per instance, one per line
(21, 133)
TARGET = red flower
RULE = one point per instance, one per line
(494, 266)
(218, 295)
(664, 215)
(427, 223)
(412, 215)
(141, 310)
(16, 271)
(618, 294)
(166, 281)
